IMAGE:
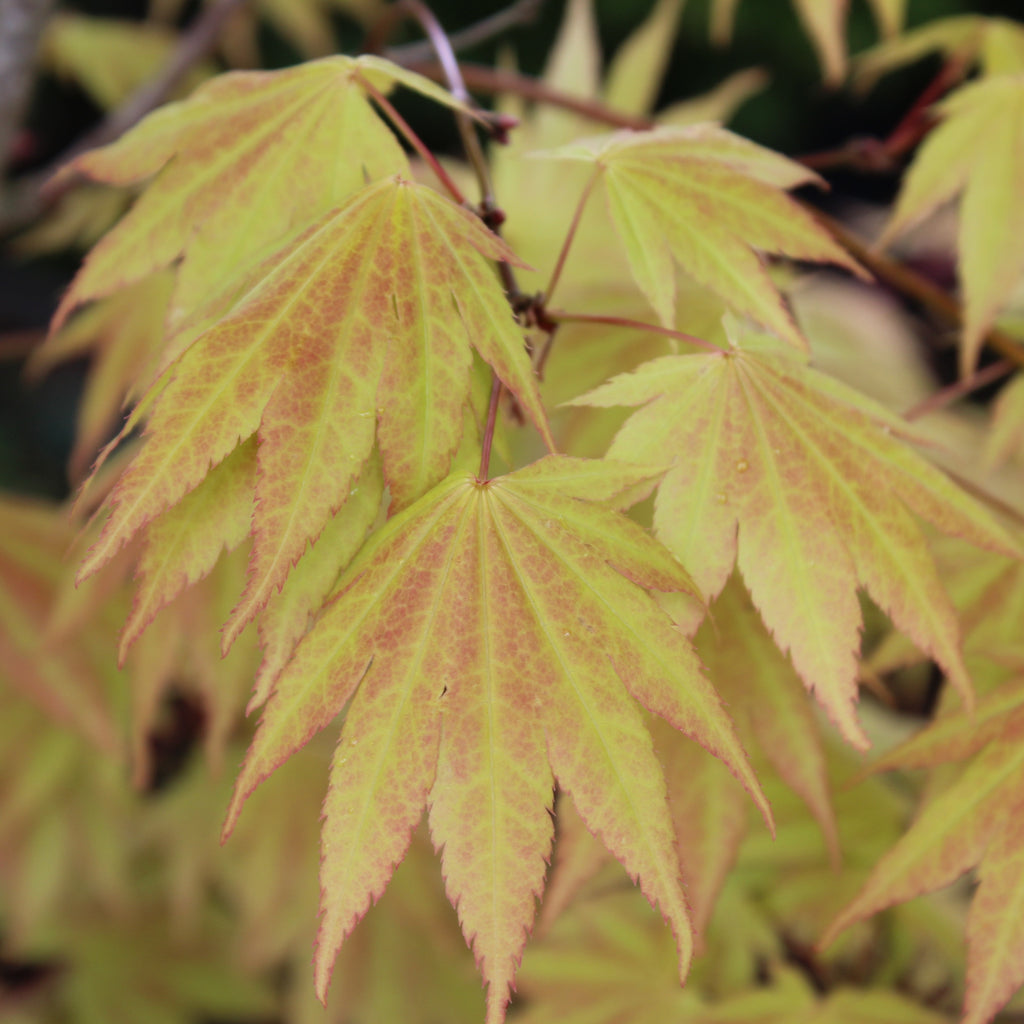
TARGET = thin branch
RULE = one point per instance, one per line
(959, 389)
(524, 12)
(35, 192)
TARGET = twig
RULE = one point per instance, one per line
(521, 13)
(195, 44)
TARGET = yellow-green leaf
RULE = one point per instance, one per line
(492, 639)
(977, 150)
(709, 201)
(809, 488)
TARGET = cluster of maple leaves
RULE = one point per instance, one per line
(314, 339)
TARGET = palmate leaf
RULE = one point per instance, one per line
(360, 330)
(977, 821)
(491, 640)
(707, 200)
(977, 150)
(248, 161)
(808, 487)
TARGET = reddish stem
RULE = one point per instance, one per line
(414, 140)
(562, 317)
(488, 440)
(570, 235)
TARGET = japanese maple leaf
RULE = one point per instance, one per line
(360, 330)
(491, 640)
(808, 487)
(976, 152)
(248, 161)
(710, 201)
(977, 821)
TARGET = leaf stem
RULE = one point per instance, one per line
(570, 235)
(958, 389)
(492, 418)
(414, 140)
(563, 317)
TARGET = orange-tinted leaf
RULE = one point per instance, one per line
(707, 200)
(231, 159)
(485, 633)
(347, 335)
(808, 487)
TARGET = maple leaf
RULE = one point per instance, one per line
(346, 337)
(493, 639)
(806, 485)
(707, 199)
(978, 820)
(975, 150)
(247, 162)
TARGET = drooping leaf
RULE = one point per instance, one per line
(977, 821)
(976, 150)
(361, 329)
(808, 487)
(997, 44)
(229, 159)
(825, 23)
(707, 200)
(491, 640)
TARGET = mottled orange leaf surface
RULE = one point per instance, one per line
(246, 162)
(808, 487)
(710, 202)
(978, 821)
(360, 331)
(494, 639)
